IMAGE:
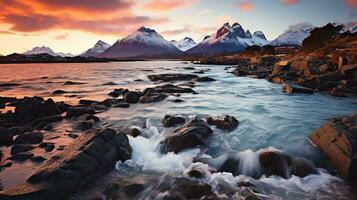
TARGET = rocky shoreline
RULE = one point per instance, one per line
(91, 155)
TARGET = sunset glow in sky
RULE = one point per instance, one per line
(75, 25)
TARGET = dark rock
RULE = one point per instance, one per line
(87, 102)
(38, 159)
(78, 111)
(172, 77)
(337, 139)
(122, 105)
(302, 167)
(72, 135)
(170, 121)
(275, 163)
(6, 136)
(226, 122)
(21, 156)
(84, 160)
(59, 92)
(112, 191)
(19, 130)
(48, 119)
(204, 79)
(118, 92)
(134, 132)
(133, 189)
(62, 107)
(191, 189)
(178, 100)
(89, 117)
(72, 83)
(6, 165)
(84, 125)
(49, 147)
(189, 135)
(152, 97)
(19, 148)
(169, 88)
(29, 138)
(196, 173)
(111, 102)
(109, 83)
(132, 97)
(294, 88)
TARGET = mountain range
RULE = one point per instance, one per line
(147, 43)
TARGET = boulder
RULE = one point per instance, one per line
(21, 157)
(294, 88)
(226, 122)
(172, 77)
(275, 163)
(118, 92)
(112, 191)
(132, 97)
(170, 121)
(84, 160)
(133, 189)
(29, 138)
(19, 148)
(153, 97)
(6, 136)
(204, 79)
(47, 120)
(78, 111)
(189, 135)
(337, 138)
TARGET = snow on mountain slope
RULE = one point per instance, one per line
(351, 27)
(294, 35)
(184, 44)
(44, 49)
(143, 42)
(229, 39)
(97, 49)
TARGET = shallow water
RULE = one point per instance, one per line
(268, 117)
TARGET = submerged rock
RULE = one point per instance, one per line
(152, 97)
(172, 77)
(337, 138)
(226, 122)
(204, 79)
(87, 157)
(294, 88)
(78, 111)
(132, 97)
(189, 135)
(170, 121)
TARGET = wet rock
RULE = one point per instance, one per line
(132, 97)
(72, 83)
(122, 105)
(87, 102)
(133, 189)
(19, 130)
(72, 135)
(302, 167)
(84, 160)
(47, 120)
(134, 132)
(169, 88)
(178, 101)
(204, 79)
(6, 136)
(172, 77)
(29, 138)
(49, 147)
(109, 83)
(183, 188)
(5, 165)
(230, 163)
(112, 191)
(189, 135)
(111, 102)
(59, 92)
(78, 111)
(84, 125)
(38, 159)
(118, 92)
(89, 117)
(19, 148)
(170, 121)
(294, 88)
(337, 139)
(275, 163)
(152, 97)
(196, 173)
(62, 107)
(226, 122)
(21, 156)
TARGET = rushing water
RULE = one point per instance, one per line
(268, 118)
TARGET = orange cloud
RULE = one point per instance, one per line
(104, 17)
(61, 37)
(352, 3)
(167, 5)
(290, 2)
(245, 6)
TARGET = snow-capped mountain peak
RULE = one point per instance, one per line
(228, 39)
(47, 50)
(259, 34)
(142, 42)
(97, 49)
(294, 35)
(184, 44)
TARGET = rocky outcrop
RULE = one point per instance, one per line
(337, 138)
(189, 135)
(226, 122)
(87, 157)
(170, 121)
(172, 77)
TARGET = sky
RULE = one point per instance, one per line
(73, 26)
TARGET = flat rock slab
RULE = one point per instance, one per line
(337, 138)
(87, 157)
